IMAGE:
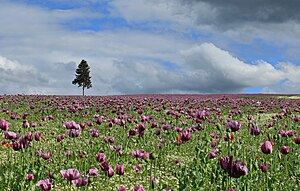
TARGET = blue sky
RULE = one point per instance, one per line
(150, 46)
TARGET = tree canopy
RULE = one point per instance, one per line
(82, 76)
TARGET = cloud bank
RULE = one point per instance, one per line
(153, 51)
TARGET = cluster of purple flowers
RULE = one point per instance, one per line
(234, 169)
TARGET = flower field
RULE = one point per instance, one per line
(150, 142)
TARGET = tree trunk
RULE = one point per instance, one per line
(83, 90)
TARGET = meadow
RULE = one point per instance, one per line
(150, 142)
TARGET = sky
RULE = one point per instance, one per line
(150, 46)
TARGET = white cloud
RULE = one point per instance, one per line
(217, 63)
(201, 68)
(13, 72)
(123, 61)
(291, 82)
(143, 11)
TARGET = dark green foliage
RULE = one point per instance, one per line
(83, 78)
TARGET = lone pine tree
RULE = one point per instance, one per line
(83, 78)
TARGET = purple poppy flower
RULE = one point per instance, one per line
(89, 123)
(25, 143)
(266, 147)
(213, 154)
(80, 181)
(255, 131)
(234, 169)
(214, 135)
(110, 172)
(37, 136)
(4, 125)
(17, 146)
(225, 162)
(93, 172)
(297, 140)
(29, 136)
(26, 124)
(239, 169)
(140, 128)
(120, 169)
(100, 157)
(68, 153)
(50, 117)
(264, 167)
(213, 144)
(70, 174)
(154, 180)
(94, 133)
(137, 169)
(71, 125)
(111, 139)
(201, 114)
(81, 155)
(104, 166)
(121, 188)
(45, 184)
(158, 132)
(46, 156)
(291, 133)
(132, 133)
(283, 133)
(10, 135)
(285, 150)
(29, 177)
(233, 125)
(185, 136)
(99, 120)
(138, 188)
(24, 115)
(74, 133)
